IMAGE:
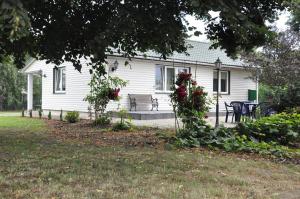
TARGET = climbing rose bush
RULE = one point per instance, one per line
(103, 88)
(189, 102)
(113, 94)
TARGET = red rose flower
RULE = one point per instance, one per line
(185, 76)
(114, 94)
(198, 92)
(194, 83)
(181, 92)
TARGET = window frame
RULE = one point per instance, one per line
(219, 82)
(63, 70)
(176, 72)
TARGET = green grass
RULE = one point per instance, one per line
(21, 123)
(10, 113)
(35, 165)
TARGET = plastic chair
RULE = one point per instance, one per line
(229, 110)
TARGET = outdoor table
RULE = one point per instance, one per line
(248, 107)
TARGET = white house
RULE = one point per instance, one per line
(65, 88)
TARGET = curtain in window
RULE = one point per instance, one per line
(224, 81)
(57, 80)
(159, 78)
(170, 78)
(63, 78)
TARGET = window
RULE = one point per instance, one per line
(60, 80)
(165, 76)
(170, 78)
(223, 83)
(159, 77)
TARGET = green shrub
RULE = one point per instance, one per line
(72, 116)
(293, 110)
(281, 128)
(61, 115)
(229, 139)
(205, 136)
(244, 144)
(40, 113)
(103, 120)
(122, 126)
(49, 115)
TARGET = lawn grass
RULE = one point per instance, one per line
(36, 165)
(11, 113)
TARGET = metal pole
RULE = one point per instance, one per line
(217, 104)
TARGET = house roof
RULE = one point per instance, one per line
(199, 52)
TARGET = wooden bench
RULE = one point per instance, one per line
(138, 99)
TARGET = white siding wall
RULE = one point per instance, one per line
(141, 77)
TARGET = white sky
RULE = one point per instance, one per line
(280, 24)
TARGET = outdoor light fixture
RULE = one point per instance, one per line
(115, 66)
(41, 74)
(218, 65)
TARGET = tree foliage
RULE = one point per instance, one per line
(58, 30)
(279, 60)
(11, 84)
(295, 16)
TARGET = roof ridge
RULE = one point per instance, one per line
(204, 42)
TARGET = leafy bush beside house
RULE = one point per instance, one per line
(102, 120)
(123, 124)
(281, 128)
(264, 136)
(72, 116)
(103, 88)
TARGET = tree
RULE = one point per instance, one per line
(11, 84)
(279, 60)
(295, 16)
(279, 70)
(58, 30)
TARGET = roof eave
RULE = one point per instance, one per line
(27, 65)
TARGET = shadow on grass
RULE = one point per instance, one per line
(35, 164)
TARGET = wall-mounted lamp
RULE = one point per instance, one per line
(41, 74)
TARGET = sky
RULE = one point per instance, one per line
(280, 24)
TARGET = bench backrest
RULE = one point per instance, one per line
(141, 97)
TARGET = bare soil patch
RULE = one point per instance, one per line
(86, 131)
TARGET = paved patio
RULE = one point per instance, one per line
(170, 123)
(160, 123)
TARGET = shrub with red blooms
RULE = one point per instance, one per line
(189, 101)
(103, 89)
(181, 93)
(114, 94)
(194, 83)
(183, 78)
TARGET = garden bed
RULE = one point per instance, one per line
(87, 132)
(84, 131)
